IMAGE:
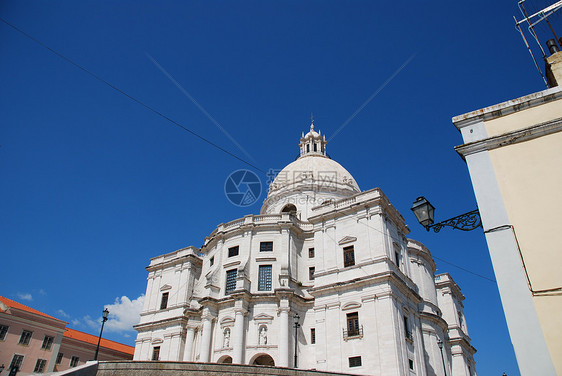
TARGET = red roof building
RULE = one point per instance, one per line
(38, 343)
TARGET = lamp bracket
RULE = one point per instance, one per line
(464, 222)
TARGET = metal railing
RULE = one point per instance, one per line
(355, 333)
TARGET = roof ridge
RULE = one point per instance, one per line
(13, 304)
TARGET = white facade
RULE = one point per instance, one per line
(367, 297)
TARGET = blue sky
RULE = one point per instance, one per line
(93, 185)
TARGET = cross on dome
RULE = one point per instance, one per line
(313, 143)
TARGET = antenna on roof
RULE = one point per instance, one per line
(532, 21)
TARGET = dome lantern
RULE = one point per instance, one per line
(313, 143)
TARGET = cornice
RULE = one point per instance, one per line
(521, 135)
(508, 107)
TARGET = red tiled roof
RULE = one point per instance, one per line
(72, 333)
(13, 304)
(89, 338)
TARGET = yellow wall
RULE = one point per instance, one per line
(529, 175)
(524, 119)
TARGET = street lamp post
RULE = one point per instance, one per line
(425, 213)
(297, 326)
(105, 313)
(440, 344)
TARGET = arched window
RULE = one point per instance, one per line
(289, 208)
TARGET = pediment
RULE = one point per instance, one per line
(165, 287)
(347, 239)
(263, 317)
(227, 321)
(350, 305)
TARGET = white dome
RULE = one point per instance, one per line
(312, 180)
(316, 172)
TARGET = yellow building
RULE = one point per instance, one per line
(513, 151)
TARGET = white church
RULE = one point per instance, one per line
(324, 278)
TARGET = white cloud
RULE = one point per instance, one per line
(63, 314)
(124, 313)
(25, 296)
(42, 292)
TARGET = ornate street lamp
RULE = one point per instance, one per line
(105, 313)
(297, 326)
(425, 212)
(440, 344)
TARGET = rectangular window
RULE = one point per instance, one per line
(74, 361)
(407, 331)
(59, 358)
(3, 332)
(156, 353)
(311, 273)
(396, 254)
(355, 361)
(264, 278)
(17, 361)
(47, 343)
(230, 280)
(25, 337)
(40, 366)
(411, 364)
(311, 253)
(164, 301)
(212, 261)
(233, 251)
(313, 336)
(353, 324)
(266, 247)
(348, 256)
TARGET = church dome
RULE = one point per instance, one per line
(317, 172)
(313, 177)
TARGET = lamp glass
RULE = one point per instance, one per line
(296, 317)
(424, 211)
(105, 313)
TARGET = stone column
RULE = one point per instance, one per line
(206, 334)
(188, 349)
(284, 337)
(238, 340)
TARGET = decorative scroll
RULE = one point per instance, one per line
(464, 222)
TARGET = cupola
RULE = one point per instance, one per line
(313, 143)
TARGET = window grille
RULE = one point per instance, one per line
(264, 280)
(348, 256)
(230, 280)
(59, 358)
(313, 336)
(355, 361)
(266, 247)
